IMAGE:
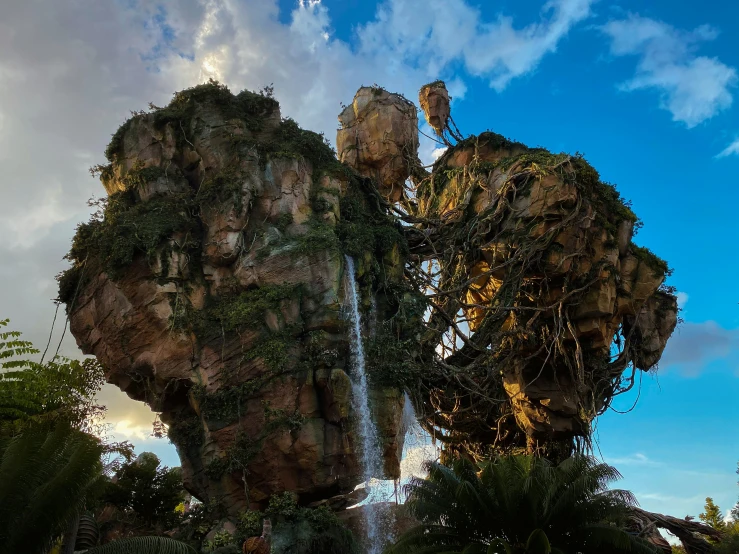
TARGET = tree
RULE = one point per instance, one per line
(146, 490)
(712, 515)
(519, 504)
(34, 392)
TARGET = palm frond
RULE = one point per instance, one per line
(142, 545)
(43, 477)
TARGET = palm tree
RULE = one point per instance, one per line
(46, 477)
(517, 505)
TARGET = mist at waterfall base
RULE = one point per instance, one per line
(417, 447)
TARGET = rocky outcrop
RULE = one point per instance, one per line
(534, 278)
(550, 279)
(378, 136)
(212, 290)
(434, 100)
(505, 294)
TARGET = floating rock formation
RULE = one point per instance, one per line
(379, 138)
(211, 289)
(536, 255)
(502, 291)
(434, 100)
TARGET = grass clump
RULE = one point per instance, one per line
(364, 226)
(658, 266)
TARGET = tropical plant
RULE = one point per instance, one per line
(516, 505)
(35, 392)
(299, 530)
(148, 491)
(46, 475)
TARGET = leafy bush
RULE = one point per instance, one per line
(146, 490)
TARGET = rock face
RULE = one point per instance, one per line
(511, 304)
(212, 290)
(434, 100)
(548, 278)
(379, 138)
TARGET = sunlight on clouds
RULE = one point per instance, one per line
(692, 88)
(127, 430)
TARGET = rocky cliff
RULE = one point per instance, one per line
(211, 286)
(538, 298)
(501, 290)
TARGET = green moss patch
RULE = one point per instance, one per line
(111, 241)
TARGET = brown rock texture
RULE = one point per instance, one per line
(504, 294)
(378, 137)
(434, 101)
(211, 288)
(548, 279)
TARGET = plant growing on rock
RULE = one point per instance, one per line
(501, 290)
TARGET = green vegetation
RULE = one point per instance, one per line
(123, 229)
(137, 177)
(146, 491)
(52, 468)
(247, 106)
(519, 505)
(299, 530)
(34, 393)
(46, 476)
(248, 309)
(245, 447)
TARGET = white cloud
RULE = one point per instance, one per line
(436, 33)
(637, 459)
(438, 152)
(693, 88)
(733, 148)
(682, 299)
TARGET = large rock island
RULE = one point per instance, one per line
(500, 291)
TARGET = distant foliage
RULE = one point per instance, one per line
(146, 490)
(299, 530)
(712, 515)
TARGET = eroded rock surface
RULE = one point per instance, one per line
(434, 100)
(549, 279)
(511, 304)
(379, 138)
(212, 290)
(533, 277)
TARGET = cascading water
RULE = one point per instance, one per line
(371, 454)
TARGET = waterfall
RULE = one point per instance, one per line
(371, 455)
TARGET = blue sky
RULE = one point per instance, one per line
(647, 91)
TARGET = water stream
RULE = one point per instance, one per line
(371, 455)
